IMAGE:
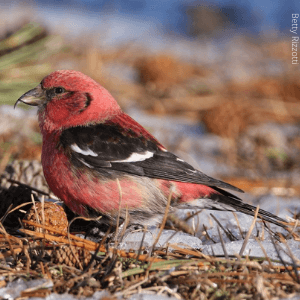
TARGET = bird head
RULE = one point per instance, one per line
(68, 98)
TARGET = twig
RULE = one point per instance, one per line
(69, 237)
(163, 223)
(8, 241)
(294, 264)
(34, 207)
(86, 244)
(180, 224)
(28, 186)
(238, 224)
(142, 241)
(222, 243)
(264, 251)
(227, 232)
(207, 235)
(293, 229)
(119, 213)
(132, 287)
(19, 206)
(280, 258)
(6, 213)
(43, 210)
(249, 232)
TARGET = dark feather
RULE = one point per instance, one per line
(113, 143)
(236, 203)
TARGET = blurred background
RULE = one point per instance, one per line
(212, 80)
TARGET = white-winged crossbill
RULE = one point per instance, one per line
(98, 160)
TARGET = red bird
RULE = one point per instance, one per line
(97, 159)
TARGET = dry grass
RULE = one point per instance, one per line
(81, 267)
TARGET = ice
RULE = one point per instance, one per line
(297, 297)
(280, 206)
(55, 296)
(226, 219)
(97, 296)
(133, 239)
(151, 297)
(102, 295)
(254, 249)
(14, 289)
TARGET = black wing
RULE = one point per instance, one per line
(111, 147)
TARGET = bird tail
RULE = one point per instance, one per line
(225, 201)
(236, 204)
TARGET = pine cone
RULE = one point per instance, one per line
(54, 215)
(65, 255)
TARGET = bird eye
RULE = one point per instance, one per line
(59, 90)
